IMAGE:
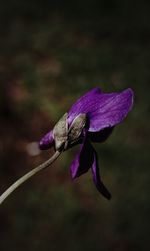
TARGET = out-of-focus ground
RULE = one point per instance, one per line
(51, 52)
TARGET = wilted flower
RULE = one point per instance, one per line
(90, 119)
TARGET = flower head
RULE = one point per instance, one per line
(90, 119)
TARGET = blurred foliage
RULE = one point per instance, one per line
(51, 52)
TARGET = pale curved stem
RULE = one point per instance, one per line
(28, 175)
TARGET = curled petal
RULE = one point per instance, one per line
(97, 179)
(83, 160)
(47, 141)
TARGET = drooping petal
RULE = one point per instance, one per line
(97, 179)
(47, 141)
(103, 109)
(83, 160)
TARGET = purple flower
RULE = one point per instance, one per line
(90, 119)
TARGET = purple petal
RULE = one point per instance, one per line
(83, 160)
(111, 110)
(47, 141)
(97, 179)
(83, 104)
(103, 109)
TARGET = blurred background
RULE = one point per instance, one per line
(51, 52)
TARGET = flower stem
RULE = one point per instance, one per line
(28, 175)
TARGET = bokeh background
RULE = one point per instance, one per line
(51, 52)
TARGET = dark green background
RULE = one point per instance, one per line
(51, 52)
